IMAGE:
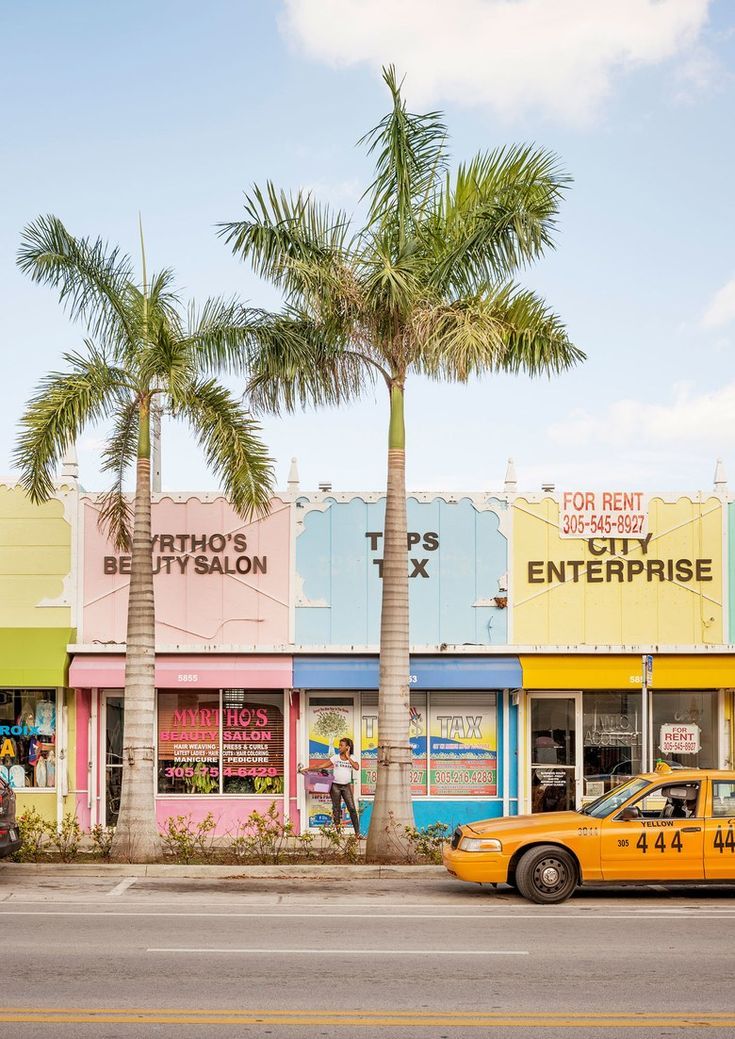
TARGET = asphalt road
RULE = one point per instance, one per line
(392, 959)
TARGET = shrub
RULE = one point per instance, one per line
(340, 844)
(185, 840)
(67, 838)
(426, 845)
(101, 837)
(262, 838)
(34, 835)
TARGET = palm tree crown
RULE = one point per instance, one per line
(143, 350)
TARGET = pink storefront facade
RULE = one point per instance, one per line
(227, 715)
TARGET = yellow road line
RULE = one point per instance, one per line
(506, 1019)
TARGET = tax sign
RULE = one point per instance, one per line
(603, 514)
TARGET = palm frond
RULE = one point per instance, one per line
(504, 330)
(93, 279)
(410, 159)
(281, 231)
(292, 363)
(64, 403)
(215, 335)
(497, 214)
(230, 439)
(116, 514)
(115, 518)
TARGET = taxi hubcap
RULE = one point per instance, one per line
(550, 875)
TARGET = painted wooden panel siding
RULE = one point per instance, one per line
(459, 563)
(35, 562)
(672, 594)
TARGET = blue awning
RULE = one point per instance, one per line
(426, 673)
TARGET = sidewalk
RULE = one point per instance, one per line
(8, 870)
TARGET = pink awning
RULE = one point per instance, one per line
(187, 672)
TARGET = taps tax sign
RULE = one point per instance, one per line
(603, 514)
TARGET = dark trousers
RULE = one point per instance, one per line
(339, 791)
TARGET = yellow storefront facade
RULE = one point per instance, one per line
(623, 647)
(37, 714)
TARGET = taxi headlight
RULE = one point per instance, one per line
(480, 844)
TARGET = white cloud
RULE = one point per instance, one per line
(721, 308)
(558, 56)
(691, 419)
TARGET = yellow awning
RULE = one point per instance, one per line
(581, 671)
(590, 671)
(693, 672)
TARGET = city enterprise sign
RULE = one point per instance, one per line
(615, 526)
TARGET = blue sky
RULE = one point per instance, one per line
(175, 108)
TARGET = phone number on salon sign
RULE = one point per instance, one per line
(181, 772)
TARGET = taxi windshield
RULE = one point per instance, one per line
(608, 803)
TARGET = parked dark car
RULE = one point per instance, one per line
(9, 832)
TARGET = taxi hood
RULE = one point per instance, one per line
(542, 821)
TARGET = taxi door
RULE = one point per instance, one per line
(719, 832)
(650, 848)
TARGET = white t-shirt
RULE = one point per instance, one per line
(342, 769)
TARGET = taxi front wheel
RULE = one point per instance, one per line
(546, 875)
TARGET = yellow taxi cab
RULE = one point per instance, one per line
(662, 827)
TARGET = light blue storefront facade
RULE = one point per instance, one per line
(462, 684)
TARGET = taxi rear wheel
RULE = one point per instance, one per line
(546, 875)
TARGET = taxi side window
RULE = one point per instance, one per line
(723, 798)
(668, 801)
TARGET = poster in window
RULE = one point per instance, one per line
(329, 720)
(463, 742)
(188, 742)
(252, 743)
(369, 744)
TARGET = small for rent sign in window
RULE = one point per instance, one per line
(679, 739)
(603, 514)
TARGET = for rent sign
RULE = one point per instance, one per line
(603, 514)
(679, 738)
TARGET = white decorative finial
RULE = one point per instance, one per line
(511, 482)
(69, 463)
(720, 478)
(293, 477)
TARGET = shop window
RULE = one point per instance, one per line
(684, 728)
(612, 741)
(369, 745)
(229, 741)
(28, 738)
(463, 745)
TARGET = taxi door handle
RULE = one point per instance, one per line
(691, 829)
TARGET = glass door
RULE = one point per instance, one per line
(112, 736)
(329, 719)
(555, 750)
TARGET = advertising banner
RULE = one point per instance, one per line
(369, 745)
(188, 742)
(463, 742)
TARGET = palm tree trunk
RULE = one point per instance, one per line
(137, 838)
(392, 810)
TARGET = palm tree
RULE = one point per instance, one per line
(424, 287)
(142, 353)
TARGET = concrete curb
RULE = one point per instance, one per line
(176, 872)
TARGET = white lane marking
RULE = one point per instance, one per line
(124, 884)
(484, 917)
(259, 950)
